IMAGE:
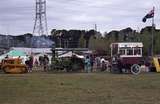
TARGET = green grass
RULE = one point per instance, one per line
(93, 88)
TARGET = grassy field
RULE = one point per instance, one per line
(80, 88)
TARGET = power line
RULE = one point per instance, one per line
(40, 26)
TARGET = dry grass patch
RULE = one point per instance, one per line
(94, 88)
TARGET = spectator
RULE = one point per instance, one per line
(103, 64)
(45, 62)
(98, 62)
(27, 62)
(41, 60)
(36, 64)
(30, 63)
(92, 62)
(87, 65)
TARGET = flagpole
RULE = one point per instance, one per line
(152, 49)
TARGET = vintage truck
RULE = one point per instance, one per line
(126, 57)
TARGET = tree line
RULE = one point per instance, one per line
(100, 43)
(94, 40)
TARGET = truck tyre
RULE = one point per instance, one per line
(135, 69)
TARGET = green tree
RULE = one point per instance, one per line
(82, 41)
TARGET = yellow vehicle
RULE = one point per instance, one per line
(13, 66)
(156, 63)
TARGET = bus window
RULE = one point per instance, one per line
(137, 51)
(129, 51)
(122, 51)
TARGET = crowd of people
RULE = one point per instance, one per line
(42, 62)
(92, 64)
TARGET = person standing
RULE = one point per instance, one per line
(30, 63)
(27, 62)
(87, 64)
(92, 62)
(36, 64)
(41, 61)
(45, 62)
(98, 63)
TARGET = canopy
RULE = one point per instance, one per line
(70, 54)
(15, 53)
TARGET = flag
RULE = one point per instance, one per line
(149, 15)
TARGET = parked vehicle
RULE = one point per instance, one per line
(126, 57)
(13, 66)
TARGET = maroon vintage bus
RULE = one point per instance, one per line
(126, 57)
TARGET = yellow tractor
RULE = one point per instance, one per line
(13, 66)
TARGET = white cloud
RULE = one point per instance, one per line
(19, 15)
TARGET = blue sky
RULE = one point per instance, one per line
(17, 16)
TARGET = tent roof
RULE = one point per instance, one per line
(70, 54)
(16, 53)
(33, 50)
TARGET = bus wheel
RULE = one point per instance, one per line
(135, 69)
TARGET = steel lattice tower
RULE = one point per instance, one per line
(40, 25)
